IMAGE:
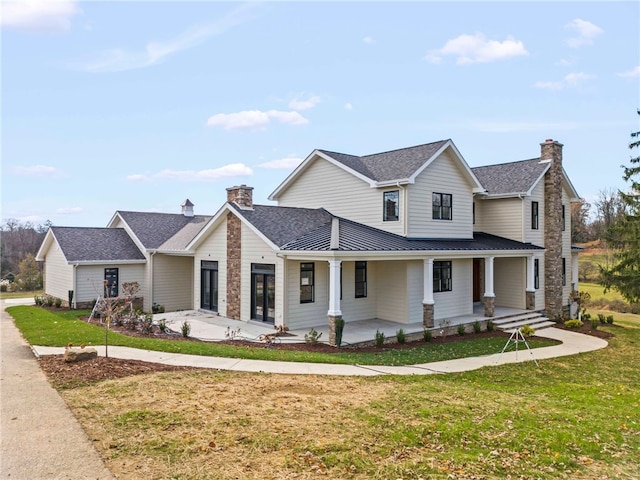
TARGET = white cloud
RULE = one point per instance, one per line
(118, 60)
(212, 174)
(348, 106)
(38, 16)
(254, 119)
(585, 32)
(297, 103)
(633, 73)
(368, 40)
(289, 162)
(571, 80)
(36, 171)
(477, 49)
(69, 211)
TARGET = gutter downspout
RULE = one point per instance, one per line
(151, 278)
(405, 209)
(74, 283)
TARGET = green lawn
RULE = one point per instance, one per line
(51, 328)
(597, 292)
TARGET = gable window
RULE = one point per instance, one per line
(111, 282)
(390, 206)
(442, 206)
(564, 219)
(307, 280)
(442, 277)
(534, 215)
(361, 279)
(536, 273)
(564, 271)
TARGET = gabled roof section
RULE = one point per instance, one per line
(85, 244)
(281, 225)
(166, 231)
(356, 237)
(386, 168)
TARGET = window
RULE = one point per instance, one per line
(536, 273)
(564, 271)
(534, 215)
(111, 282)
(564, 221)
(361, 279)
(442, 276)
(307, 281)
(390, 206)
(474, 213)
(442, 206)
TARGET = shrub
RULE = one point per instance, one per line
(339, 330)
(4, 285)
(146, 324)
(610, 319)
(527, 330)
(619, 306)
(491, 326)
(586, 317)
(461, 330)
(162, 325)
(477, 328)
(635, 308)
(595, 322)
(186, 328)
(427, 335)
(48, 300)
(57, 302)
(312, 337)
(379, 338)
(39, 301)
(155, 308)
(573, 323)
(400, 336)
(601, 318)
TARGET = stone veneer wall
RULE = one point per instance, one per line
(552, 150)
(234, 270)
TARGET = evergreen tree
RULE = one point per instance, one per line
(624, 235)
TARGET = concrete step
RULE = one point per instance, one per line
(519, 323)
(535, 326)
(516, 318)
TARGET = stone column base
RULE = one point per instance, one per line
(427, 315)
(531, 301)
(489, 306)
(332, 329)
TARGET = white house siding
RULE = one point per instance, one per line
(256, 250)
(500, 216)
(442, 176)
(530, 235)
(540, 290)
(213, 249)
(58, 274)
(173, 282)
(324, 185)
(90, 278)
(391, 291)
(510, 282)
(460, 300)
(415, 291)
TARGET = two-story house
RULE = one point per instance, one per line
(411, 235)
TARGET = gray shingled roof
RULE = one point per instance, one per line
(96, 244)
(282, 225)
(386, 166)
(166, 230)
(510, 178)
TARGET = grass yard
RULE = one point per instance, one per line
(574, 417)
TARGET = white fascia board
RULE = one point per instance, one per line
(106, 262)
(540, 177)
(204, 232)
(271, 245)
(392, 183)
(477, 188)
(341, 165)
(127, 229)
(49, 238)
(113, 219)
(490, 196)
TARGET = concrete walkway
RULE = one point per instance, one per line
(39, 436)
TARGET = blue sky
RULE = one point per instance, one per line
(139, 105)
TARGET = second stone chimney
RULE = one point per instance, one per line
(187, 208)
(241, 196)
(551, 151)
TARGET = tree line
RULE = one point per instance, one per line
(19, 243)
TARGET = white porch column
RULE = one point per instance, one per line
(575, 274)
(334, 288)
(488, 277)
(427, 297)
(530, 275)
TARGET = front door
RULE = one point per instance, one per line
(209, 286)
(263, 292)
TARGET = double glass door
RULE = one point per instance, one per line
(263, 292)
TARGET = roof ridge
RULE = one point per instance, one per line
(506, 163)
(385, 151)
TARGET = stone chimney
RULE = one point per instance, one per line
(187, 208)
(551, 151)
(241, 196)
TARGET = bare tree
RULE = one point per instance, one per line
(580, 227)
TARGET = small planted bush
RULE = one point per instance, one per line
(601, 318)
(461, 330)
(312, 337)
(162, 325)
(491, 326)
(379, 338)
(477, 328)
(155, 308)
(573, 323)
(339, 330)
(527, 330)
(427, 335)
(610, 319)
(401, 336)
(186, 329)
(595, 322)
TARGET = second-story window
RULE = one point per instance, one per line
(391, 203)
(534, 216)
(442, 206)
